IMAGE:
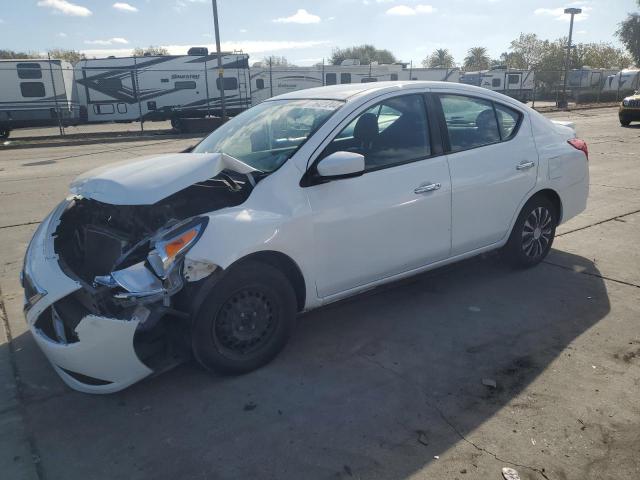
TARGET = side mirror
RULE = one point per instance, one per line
(341, 165)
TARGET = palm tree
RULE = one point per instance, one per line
(477, 59)
(440, 58)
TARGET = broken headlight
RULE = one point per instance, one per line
(171, 245)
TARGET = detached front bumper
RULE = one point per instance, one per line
(99, 357)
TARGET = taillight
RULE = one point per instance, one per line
(579, 145)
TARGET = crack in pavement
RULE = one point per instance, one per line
(30, 437)
(617, 217)
(18, 225)
(613, 186)
(430, 403)
(590, 274)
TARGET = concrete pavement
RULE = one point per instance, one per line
(386, 385)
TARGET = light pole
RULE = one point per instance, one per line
(214, 4)
(573, 12)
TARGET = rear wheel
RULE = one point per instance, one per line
(532, 234)
(246, 320)
(4, 133)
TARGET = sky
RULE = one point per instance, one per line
(304, 31)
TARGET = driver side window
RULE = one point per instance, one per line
(392, 132)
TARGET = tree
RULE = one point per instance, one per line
(365, 53)
(440, 58)
(599, 55)
(477, 59)
(526, 51)
(150, 51)
(629, 34)
(9, 54)
(68, 55)
(276, 61)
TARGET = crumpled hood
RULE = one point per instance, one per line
(148, 180)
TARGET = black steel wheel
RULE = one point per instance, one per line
(532, 234)
(245, 320)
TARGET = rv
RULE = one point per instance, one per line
(268, 82)
(434, 74)
(36, 92)
(166, 87)
(586, 82)
(518, 84)
(623, 83)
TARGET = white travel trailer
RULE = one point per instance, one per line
(518, 84)
(36, 92)
(586, 83)
(434, 74)
(266, 82)
(623, 83)
(161, 87)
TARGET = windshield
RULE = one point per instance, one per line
(268, 134)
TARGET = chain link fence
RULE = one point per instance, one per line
(118, 96)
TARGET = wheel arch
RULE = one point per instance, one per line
(553, 197)
(286, 265)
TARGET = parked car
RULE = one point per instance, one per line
(630, 109)
(305, 199)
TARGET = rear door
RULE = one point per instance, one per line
(493, 162)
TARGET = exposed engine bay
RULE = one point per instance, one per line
(129, 260)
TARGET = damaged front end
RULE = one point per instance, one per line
(109, 288)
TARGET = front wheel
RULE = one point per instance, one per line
(246, 319)
(4, 133)
(532, 234)
(625, 123)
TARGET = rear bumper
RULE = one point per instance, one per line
(99, 355)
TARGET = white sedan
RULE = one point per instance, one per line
(303, 200)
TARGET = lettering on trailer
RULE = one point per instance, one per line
(187, 76)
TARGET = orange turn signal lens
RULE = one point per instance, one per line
(174, 247)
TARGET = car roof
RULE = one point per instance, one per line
(350, 91)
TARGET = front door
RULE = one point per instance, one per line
(396, 216)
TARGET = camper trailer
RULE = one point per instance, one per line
(267, 82)
(166, 87)
(623, 83)
(586, 83)
(36, 92)
(433, 74)
(518, 84)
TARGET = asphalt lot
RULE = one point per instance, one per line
(387, 385)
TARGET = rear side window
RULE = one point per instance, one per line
(471, 122)
(514, 79)
(508, 120)
(392, 132)
(32, 89)
(29, 70)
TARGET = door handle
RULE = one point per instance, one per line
(525, 165)
(427, 188)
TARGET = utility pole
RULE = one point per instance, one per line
(214, 4)
(573, 12)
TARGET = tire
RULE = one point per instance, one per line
(246, 319)
(625, 123)
(4, 134)
(532, 234)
